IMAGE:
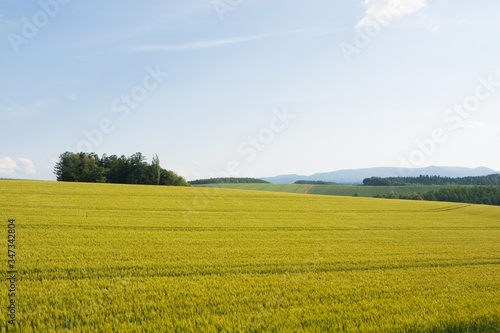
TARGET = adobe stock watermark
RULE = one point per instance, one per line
(122, 108)
(365, 34)
(225, 6)
(31, 26)
(455, 118)
(248, 150)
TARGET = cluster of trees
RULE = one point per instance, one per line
(314, 182)
(486, 195)
(90, 168)
(432, 180)
(229, 180)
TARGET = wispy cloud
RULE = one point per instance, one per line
(315, 30)
(331, 31)
(206, 44)
(194, 45)
(15, 110)
(375, 9)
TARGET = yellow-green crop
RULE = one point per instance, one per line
(104, 258)
(341, 190)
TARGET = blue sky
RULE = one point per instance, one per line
(250, 87)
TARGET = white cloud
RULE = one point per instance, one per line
(193, 45)
(10, 168)
(389, 10)
(27, 167)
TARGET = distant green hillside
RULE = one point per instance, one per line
(314, 182)
(340, 190)
(493, 179)
(283, 188)
(480, 195)
(367, 191)
(229, 180)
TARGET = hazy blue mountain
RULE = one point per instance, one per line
(356, 176)
(286, 179)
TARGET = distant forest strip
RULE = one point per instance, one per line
(432, 180)
(229, 180)
(314, 182)
(485, 195)
(90, 168)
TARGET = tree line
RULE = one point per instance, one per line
(486, 195)
(90, 168)
(314, 182)
(432, 180)
(228, 180)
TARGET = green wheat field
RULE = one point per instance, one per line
(341, 190)
(124, 258)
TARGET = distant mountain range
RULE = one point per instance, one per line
(356, 176)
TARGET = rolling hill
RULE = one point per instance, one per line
(106, 257)
(339, 190)
(356, 176)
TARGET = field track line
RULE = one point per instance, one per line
(308, 189)
(448, 208)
